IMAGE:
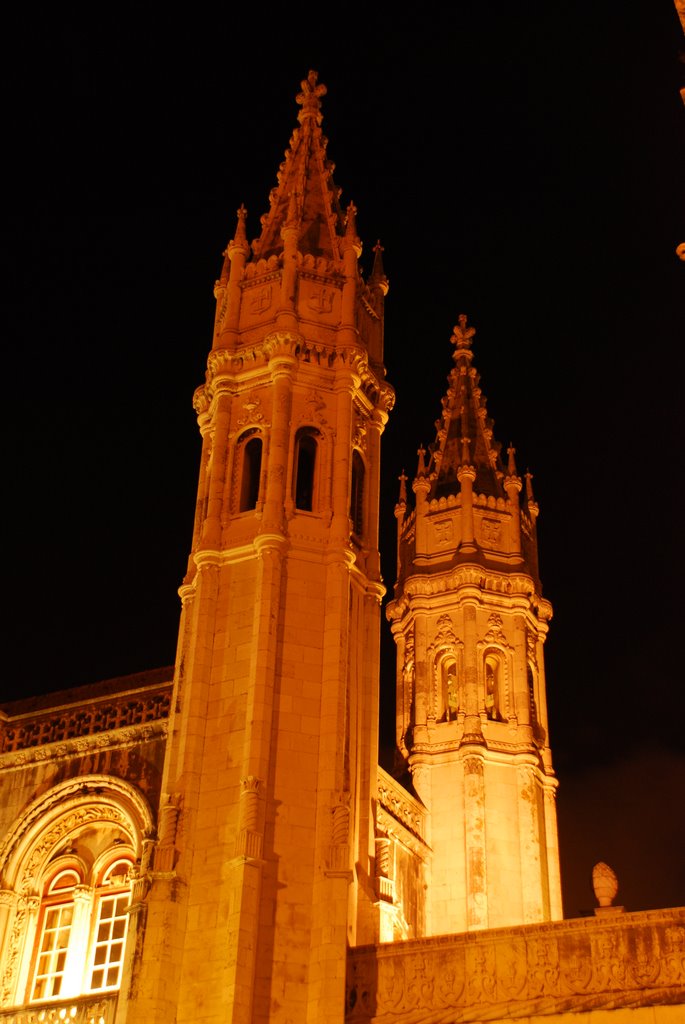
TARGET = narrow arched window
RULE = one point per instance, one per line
(251, 469)
(305, 470)
(109, 933)
(357, 494)
(450, 689)
(57, 914)
(493, 688)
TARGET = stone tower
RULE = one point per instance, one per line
(266, 834)
(469, 620)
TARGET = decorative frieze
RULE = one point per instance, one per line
(394, 799)
(579, 965)
(89, 1010)
(78, 720)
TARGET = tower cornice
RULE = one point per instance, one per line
(468, 582)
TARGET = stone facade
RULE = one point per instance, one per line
(217, 842)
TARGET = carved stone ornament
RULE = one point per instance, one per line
(252, 410)
(313, 407)
(604, 884)
(490, 531)
(551, 969)
(339, 849)
(444, 631)
(444, 531)
(54, 815)
(495, 633)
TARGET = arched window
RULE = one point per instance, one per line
(81, 931)
(78, 847)
(357, 494)
(109, 931)
(493, 688)
(250, 471)
(305, 469)
(448, 696)
(57, 915)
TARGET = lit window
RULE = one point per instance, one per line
(110, 935)
(54, 936)
(82, 934)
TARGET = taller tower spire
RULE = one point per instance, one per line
(470, 620)
(273, 742)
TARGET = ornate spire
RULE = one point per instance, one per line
(378, 278)
(403, 488)
(464, 433)
(306, 174)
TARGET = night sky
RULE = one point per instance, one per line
(523, 166)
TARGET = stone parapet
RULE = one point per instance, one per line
(88, 1010)
(576, 966)
(73, 721)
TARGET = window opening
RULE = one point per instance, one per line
(52, 954)
(357, 493)
(251, 473)
(110, 937)
(493, 696)
(304, 472)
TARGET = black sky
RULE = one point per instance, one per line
(526, 167)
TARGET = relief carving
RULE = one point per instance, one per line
(321, 300)
(88, 721)
(444, 531)
(616, 964)
(339, 849)
(495, 633)
(250, 838)
(252, 410)
(490, 531)
(260, 300)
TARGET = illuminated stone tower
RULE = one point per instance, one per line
(266, 834)
(469, 620)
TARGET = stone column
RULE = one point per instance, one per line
(211, 531)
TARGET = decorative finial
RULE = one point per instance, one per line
(309, 98)
(421, 471)
(529, 486)
(461, 334)
(604, 883)
(378, 279)
(403, 488)
(351, 221)
(240, 237)
(511, 465)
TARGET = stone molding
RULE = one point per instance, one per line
(568, 966)
(401, 806)
(78, 728)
